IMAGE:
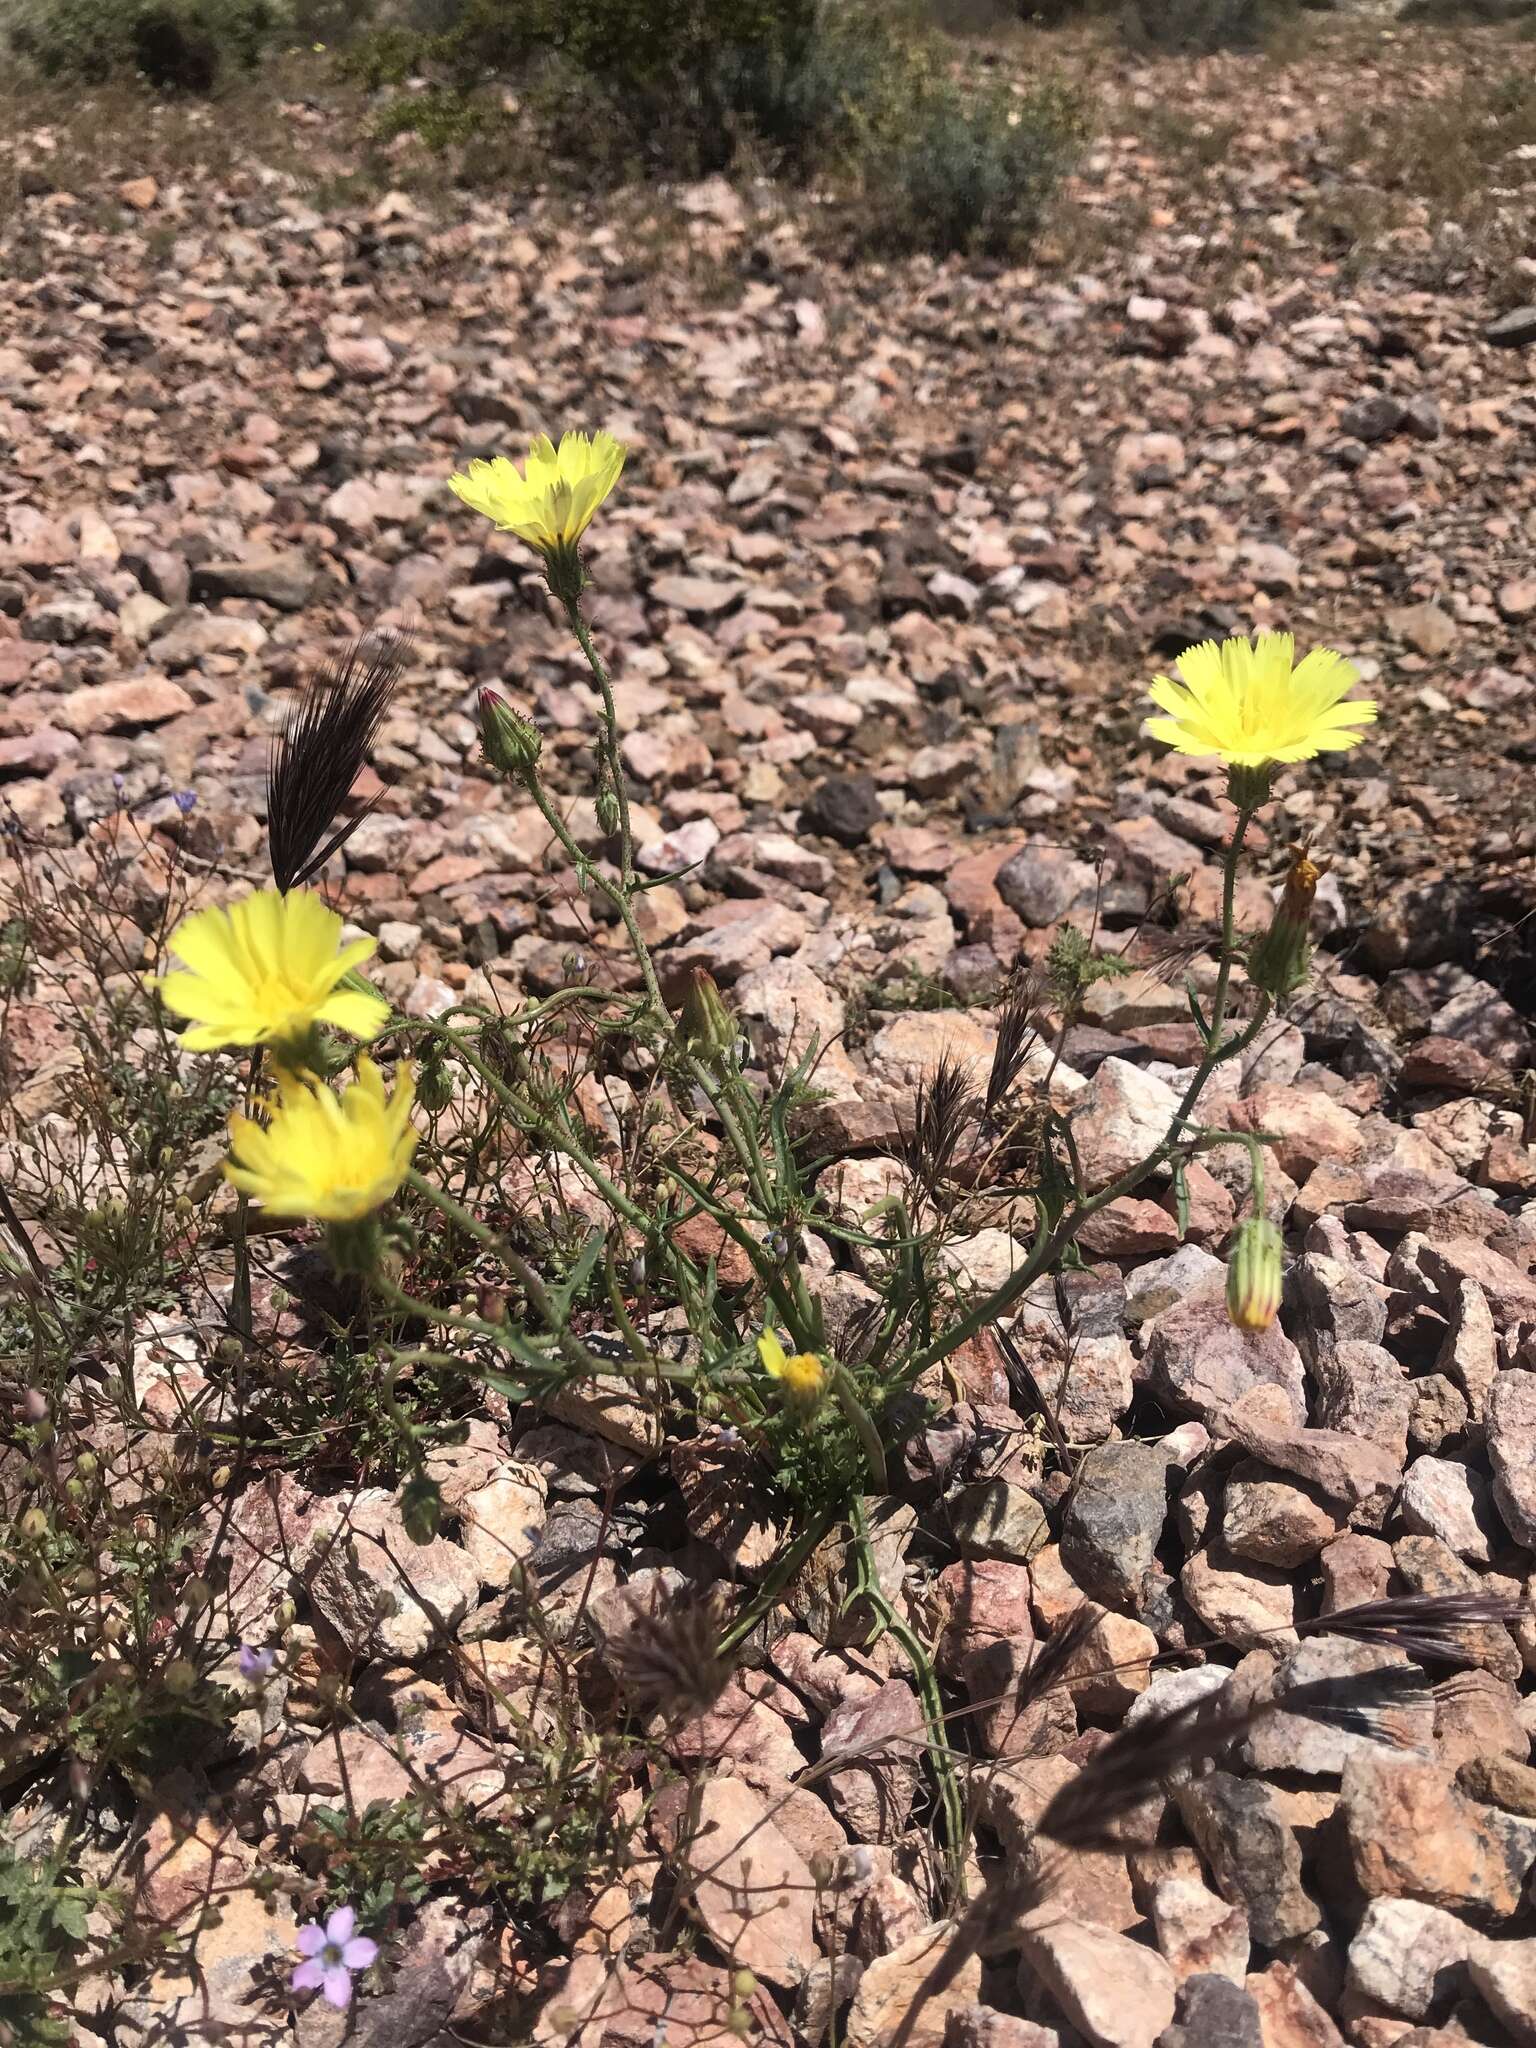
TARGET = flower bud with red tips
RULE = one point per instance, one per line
(512, 746)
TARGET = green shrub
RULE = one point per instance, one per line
(178, 45)
(1198, 27)
(970, 171)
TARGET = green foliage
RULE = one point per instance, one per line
(178, 45)
(968, 170)
(371, 1860)
(859, 91)
(1199, 27)
(42, 1924)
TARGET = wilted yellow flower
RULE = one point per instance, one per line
(803, 1376)
(550, 502)
(1254, 1276)
(1250, 703)
(266, 971)
(1277, 962)
(317, 1154)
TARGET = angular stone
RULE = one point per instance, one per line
(752, 1893)
(1289, 2016)
(1407, 1957)
(1121, 1118)
(1248, 1604)
(1412, 1835)
(1512, 1452)
(1363, 1393)
(1091, 1885)
(1503, 1974)
(379, 1590)
(1253, 1853)
(1317, 1745)
(1358, 1475)
(1274, 1520)
(872, 1794)
(995, 1518)
(1445, 1499)
(888, 1993)
(1214, 2012)
(1470, 1353)
(1114, 1520)
(1202, 1365)
(118, 707)
(1115, 1992)
(1197, 1932)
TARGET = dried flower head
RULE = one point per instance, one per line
(1277, 961)
(320, 752)
(266, 971)
(667, 1654)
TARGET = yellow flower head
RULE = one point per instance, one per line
(1249, 703)
(549, 502)
(334, 1158)
(265, 971)
(803, 1376)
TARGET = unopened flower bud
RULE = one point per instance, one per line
(1254, 1275)
(33, 1526)
(434, 1087)
(87, 1465)
(512, 746)
(608, 810)
(197, 1593)
(743, 1983)
(709, 1029)
(1277, 962)
(180, 1676)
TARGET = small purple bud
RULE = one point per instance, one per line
(186, 801)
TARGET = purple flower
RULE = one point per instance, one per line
(255, 1665)
(333, 1955)
(186, 800)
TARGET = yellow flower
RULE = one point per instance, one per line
(803, 1376)
(1252, 703)
(265, 971)
(551, 501)
(318, 1155)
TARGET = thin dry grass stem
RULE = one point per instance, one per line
(322, 749)
(1017, 1036)
(941, 1115)
(1423, 1625)
(1087, 1812)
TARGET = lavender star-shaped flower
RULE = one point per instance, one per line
(255, 1664)
(333, 1955)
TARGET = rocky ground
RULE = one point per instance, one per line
(896, 552)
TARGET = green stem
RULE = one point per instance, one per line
(1047, 1249)
(1228, 922)
(934, 1720)
(784, 1569)
(529, 1119)
(571, 1348)
(618, 895)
